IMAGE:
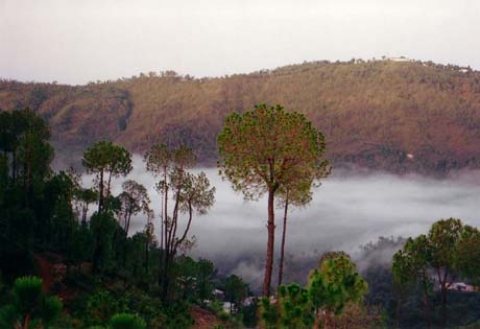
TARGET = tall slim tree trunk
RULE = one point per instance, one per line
(426, 310)
(146, 256)
(164, 235)
(270, 243)
(100, 195)
(14, 167)
(398, 312)
(166, 278)
(165, 208)
(284, 234)
(316, 324)
(444, 305)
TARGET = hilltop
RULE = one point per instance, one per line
(394, 115)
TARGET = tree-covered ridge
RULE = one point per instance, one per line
(398, 116)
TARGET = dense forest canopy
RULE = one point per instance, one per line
(400, 116)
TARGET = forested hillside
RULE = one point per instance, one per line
(399, 116)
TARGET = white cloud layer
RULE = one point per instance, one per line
(346, 212)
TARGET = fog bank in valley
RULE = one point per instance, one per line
(346, 211)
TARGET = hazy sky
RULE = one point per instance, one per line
(76, 41)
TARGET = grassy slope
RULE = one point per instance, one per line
(373, 113)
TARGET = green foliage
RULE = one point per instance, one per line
(101, 306)
(8, 316)
(178, 316)
(104, 228)
(29, 306)
(437, 259)
(410, 263)
(191, 194)
(81, 245)
(268, 313)
(126, 321)
(294, 307)
(468, 253)
(105, 158)
(25, 174)
(133, 200)
(193, 279)
(27, 292)
(205, 273)
(235, 290)
(335, 284)
(51, 309)
(266, 150)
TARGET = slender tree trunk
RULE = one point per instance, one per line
(270, 243)
(166, 279)
(163, 230)
(170, 248)
(162, 221)
(97, 255)
(84, 212)
(398, 312)
(100, 196)
(26, 325)
(444, 305)
(426, 310)
(14, 167)
(163, 240)
(146, 256)
(284, 234)
(109, 184)
(165, 207)
(127, 222)
(316, 323)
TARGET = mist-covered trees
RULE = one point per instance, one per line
(133, 200)
(267, 149)
(436, 260)
(334, 284)
(297, 193)
(46, 228)
(190, 193)
(105, 158)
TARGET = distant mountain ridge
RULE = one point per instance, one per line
(394, 115)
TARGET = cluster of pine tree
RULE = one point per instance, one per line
(77, 238)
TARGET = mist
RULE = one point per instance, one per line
(347, 211)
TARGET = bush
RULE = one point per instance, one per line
(100, 308)
(127, 321)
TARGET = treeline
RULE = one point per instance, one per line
(109, 278)
(395, 116)
(103, 274)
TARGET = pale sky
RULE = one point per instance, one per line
(77, 41)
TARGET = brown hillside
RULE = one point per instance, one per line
(395, 116)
